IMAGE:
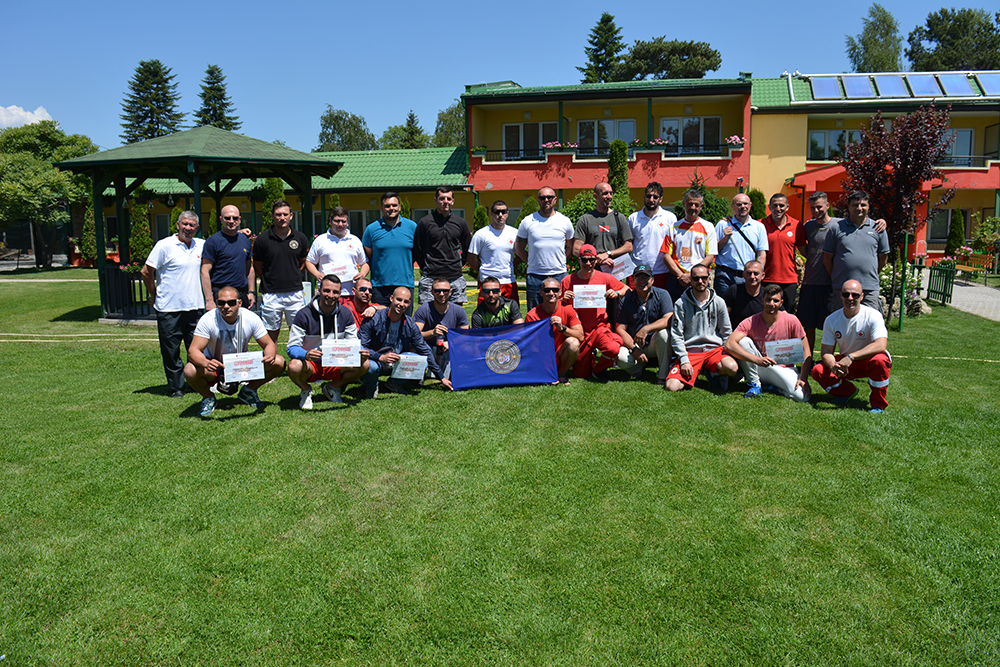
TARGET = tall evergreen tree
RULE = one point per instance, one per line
(604, 53)
(216, 107)
(150, 107)
(660, 58)
(878, 48)
(959, 39)
(408, 135)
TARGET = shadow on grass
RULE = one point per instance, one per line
(159, 390)
(37, 271)
(85, 314)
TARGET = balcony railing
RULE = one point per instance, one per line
(601, 152)
(966, 160)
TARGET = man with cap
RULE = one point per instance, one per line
(643, 323)
(599, 336)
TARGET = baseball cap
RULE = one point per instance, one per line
(588, 250)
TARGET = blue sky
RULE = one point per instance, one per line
(285, 61)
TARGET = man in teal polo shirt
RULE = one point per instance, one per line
(388, 242)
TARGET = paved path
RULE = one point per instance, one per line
(968, 297)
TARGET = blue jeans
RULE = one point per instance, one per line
(724, 278)
(534, 283)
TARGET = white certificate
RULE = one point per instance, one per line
(785, 352)
(341, 353)
(410, 367)
(344, 271)
(307, 292)
(589, 296)
(623, 268)
(244, 366)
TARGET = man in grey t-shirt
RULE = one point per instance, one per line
(855, 250)
(605, 229)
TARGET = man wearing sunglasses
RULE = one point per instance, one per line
(227, 259)
(227, 329)
(565, 325)
(360, 303)
(544, 241)
(698, 330)
(854, 347)
(494, 310)
(596, 324)
(491, 252)
(436, 318)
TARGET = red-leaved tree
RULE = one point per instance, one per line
(892, 167)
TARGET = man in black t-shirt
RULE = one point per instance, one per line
(279, 256)
(440, 247)
(495, 310)
(743, 300)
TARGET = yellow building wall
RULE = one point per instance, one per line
(777, 151)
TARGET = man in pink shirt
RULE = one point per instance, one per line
(748, 345)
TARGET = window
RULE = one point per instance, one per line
(523, 141)
(940, 224)
(960, 150)
(595, 136)
(360, 219)
(693, 135)
(162, 226)
(831, 144)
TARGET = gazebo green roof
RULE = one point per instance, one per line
(209, 146)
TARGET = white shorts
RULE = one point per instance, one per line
(274, 305)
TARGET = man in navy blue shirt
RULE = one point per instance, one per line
(643, 322)
(227, 260)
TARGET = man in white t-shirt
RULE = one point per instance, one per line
(172, 275)
(650, 225)
(228, 330)
(338, 251)
(492, 252)
(860, 334)
(544, 241)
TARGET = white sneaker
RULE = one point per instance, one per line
(306, 399)
(332, 393)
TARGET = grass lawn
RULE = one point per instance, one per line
(590, 524)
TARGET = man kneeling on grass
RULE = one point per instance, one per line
(860, 334)
(228, 330)
(748, 345)
(323, 319)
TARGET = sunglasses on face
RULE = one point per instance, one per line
(546, 197)
(230, 217)
(502, 211)
(851, 295)
(364, 289)
(441, 291)
(490, 290)
(228, 302)
(550, 290)
(699, 277)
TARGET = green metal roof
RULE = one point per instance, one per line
(771, 93)
(396, 169)
(205, 144)
(363, 171)
(508, 90)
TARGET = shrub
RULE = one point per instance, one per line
(405, 209)
(618, 166)
(175, 213)
(986, 238)
(140, 241)
(530, 206)
(274, 190)
(480, 219)
(758, 204)
(715, 208)
(956, 235)
(88, 240)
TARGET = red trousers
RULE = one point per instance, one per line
(607, 342)
(875, 369)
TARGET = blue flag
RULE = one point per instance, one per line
(503, 356)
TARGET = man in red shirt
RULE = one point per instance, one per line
(596, 326)
(784, 235)
(360, 302)
(565, 324)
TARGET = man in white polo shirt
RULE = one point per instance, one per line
(172, 274)
(650, 225)
(338, 251)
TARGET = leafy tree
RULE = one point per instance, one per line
(32, 189)
(216, 107)
(673, 59)
(274, 190)
(529, 206)
(618, 166)
(341, 130)
(956, 234)
(879, 47)
(480, 219)
(408, 135)
(893, 166)
(605, 45)
(986, 237)
(758, 204)
(150, 107)
(450, 128)
(175, 214)
(140, 240)
(959, 39)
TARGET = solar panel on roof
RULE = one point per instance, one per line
(956, 84)
(891, 85)
(923, 85)
(826, 88)
(989, 82)
(858, 86)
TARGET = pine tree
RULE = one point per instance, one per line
(216, 107)
(140, 240)
(758, 204)
(150, 108)
(603, 54)
(618, 166)
(956, 234)
(88, 237)
(480, 219)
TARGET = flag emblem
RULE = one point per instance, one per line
(503, 357)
